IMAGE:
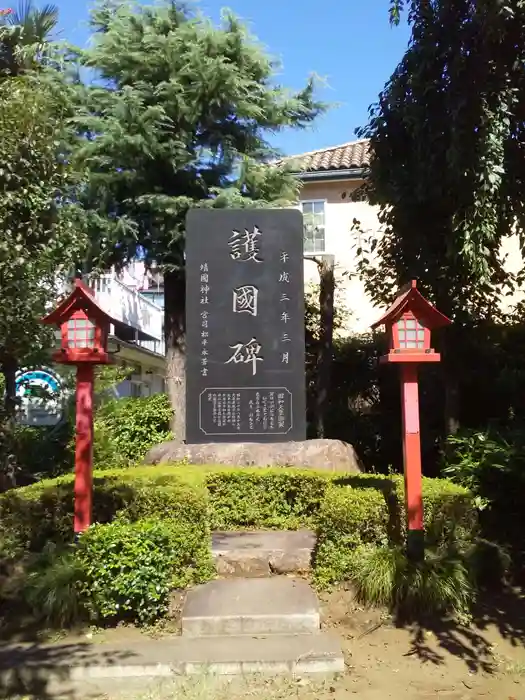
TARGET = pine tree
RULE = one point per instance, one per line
(179, 118)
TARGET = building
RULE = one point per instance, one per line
(330, 178)
(138, 331)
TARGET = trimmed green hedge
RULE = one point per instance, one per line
(265, 498)
(186, 502)
(129, 570)
(43, 512)
(371, 511)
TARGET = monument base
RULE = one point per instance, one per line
(331, 455)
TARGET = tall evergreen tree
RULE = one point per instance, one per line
(179, 118)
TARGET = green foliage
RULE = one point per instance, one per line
(491, 464)
(479, 460)
(125, 429)
(373, 512)
(384, 576)
(446, 134)
(131, 569)
(347, 511)
(44, 452)
(265, 498)
(24, 37)
(52, 587)
(349, 517)
(177, 113)
(32, 516)
(41, 236)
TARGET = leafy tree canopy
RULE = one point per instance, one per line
(448, 167)
(41, 233)
(25, 34)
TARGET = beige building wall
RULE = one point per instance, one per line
(342, 242)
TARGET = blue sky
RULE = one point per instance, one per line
(349, 43)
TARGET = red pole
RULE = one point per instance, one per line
(84, 447)
(412, 460)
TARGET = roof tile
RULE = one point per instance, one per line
(355, 154)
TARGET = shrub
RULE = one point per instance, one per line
(449, 511)
(44, 452)
(125, 429)
(52, 587)
(130, 569)
(384, 576)
(372, 511)
(348, 517)
(265, 498)
(33, 516)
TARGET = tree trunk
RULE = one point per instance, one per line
(450, 369)
(8, 463)
(326, 338)
(175, 336)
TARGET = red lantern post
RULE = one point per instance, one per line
(409, 322)
(84, 327)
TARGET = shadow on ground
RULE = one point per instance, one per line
(503, 611)
(46, 672)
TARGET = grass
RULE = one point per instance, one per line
(239, 688)
(385, 577)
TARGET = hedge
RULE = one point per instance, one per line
(37, 514)
(265, 498)
(129, 570)
(346, 510)
(372, 512)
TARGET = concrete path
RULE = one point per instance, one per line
(81, 670)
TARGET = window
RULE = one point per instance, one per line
(314, 226)
(80, 333)
(411, 334)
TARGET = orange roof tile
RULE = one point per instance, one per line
(355, 154)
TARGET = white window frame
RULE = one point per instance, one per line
(318, 200)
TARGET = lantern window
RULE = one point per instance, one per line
(80, 333)
(411, 334)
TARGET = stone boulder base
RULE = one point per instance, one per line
(331, 455)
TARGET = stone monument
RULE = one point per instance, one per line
(245, 353)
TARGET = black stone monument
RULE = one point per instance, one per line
(245, 373)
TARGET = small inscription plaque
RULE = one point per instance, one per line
(245, 376)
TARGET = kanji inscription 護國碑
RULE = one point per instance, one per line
(245, 373)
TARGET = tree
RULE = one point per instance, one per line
(180, 120)
(448, 167)
(25, 34)
(41, 235)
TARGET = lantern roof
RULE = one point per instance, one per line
(409, 298)
(82, 297)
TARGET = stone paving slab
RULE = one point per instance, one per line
(73, 669)
(277, 605)
(262, 553)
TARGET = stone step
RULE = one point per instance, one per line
(66, 670)
(262, 552)
(256, 606)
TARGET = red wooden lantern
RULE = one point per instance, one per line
(410, 321)
(84, 328)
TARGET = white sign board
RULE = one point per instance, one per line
(41, 397)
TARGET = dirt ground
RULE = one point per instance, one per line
(439, 660)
